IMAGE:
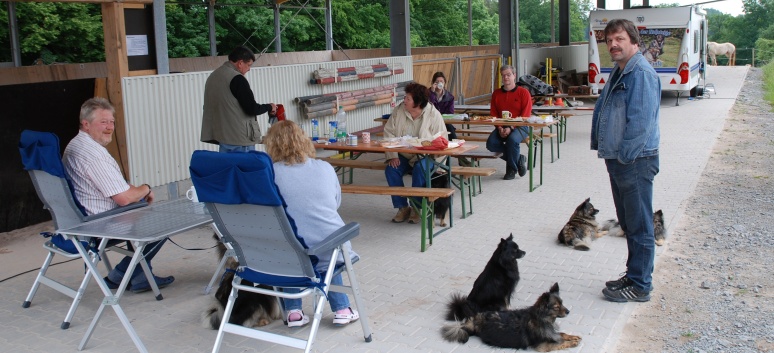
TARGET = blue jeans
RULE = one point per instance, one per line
(338, 301)
(632, 186)
(234, 148)
(395, 176)
(138, 276)
(509, 146)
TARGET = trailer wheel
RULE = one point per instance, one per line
(697, 91)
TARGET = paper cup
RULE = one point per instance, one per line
(366, 137)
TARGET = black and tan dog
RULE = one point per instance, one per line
(582, 227)
(521, 328)
(659, 229)
(493, 288)
(250, 309)
(441, 205)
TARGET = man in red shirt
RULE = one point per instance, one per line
(518, 102)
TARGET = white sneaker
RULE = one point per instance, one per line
(298, 323)
(343, 319)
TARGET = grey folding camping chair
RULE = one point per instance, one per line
(41, 158)
(246, 206)
(222, 264)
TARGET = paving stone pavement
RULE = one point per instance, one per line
(406, 290)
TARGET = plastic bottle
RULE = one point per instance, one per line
(331, 131)
(341, 124)
(315, 130)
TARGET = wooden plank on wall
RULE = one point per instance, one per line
(424, 71)
(483, 68)
(49, 73)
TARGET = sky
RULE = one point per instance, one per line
(731, 7)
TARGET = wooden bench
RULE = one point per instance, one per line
(426, 206)
(474, 138)
(373, 130)
(563, 116)
(473, 131)
(464, 178)
(474, 158)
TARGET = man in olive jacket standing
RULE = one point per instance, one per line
(230, 110)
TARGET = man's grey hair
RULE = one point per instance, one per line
(93, 104)
(508, 67)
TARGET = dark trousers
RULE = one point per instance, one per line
(632, 186)
(509, 146)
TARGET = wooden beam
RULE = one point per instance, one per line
(114, 27)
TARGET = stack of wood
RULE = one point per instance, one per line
(327, 76)
(328, 104)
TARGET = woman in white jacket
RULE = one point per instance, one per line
(417, 118)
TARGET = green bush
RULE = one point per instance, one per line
(768, 83)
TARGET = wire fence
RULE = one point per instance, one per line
(748, 56)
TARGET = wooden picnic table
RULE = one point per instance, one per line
(513, 123)
(375, 147)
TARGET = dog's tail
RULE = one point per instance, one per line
(212, 317)
(612, 227)
(459, 331)
(581, 244)
(458, 307)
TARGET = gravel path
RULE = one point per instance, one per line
(713, 285)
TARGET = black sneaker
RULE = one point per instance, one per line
(510, 174)
(626, 294)
(619, 283)
(522, 165)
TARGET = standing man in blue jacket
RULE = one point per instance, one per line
(625, 133)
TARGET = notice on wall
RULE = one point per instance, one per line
(136, 45)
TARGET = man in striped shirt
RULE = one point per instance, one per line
(99, 185)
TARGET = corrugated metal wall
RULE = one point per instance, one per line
(163, 112)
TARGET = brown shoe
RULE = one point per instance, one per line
(402, 215)
(414, 218)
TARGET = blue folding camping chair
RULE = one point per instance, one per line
(41, 158)
(249, 211)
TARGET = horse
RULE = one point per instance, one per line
(727, 49)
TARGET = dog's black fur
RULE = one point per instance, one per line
(521, 328)
(441, 205)
(250, 309)
(493, 288)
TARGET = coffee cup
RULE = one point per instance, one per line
(506, 115)
(366, 137)
(191, 194)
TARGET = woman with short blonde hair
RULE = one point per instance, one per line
(287, 143)
(311, 190)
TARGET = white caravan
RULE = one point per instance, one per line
(673, 40)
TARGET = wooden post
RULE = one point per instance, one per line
(114, 27)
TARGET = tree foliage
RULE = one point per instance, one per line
(72, 32)
(535, 20)
(55, 32)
